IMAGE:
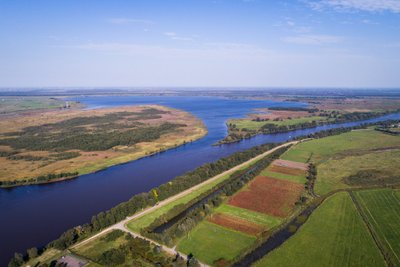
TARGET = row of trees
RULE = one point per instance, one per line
(40, 179)
(309, 110)
(19, 259)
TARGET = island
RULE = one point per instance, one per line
(42, 147)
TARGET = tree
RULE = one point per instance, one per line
(155, 195)
(32, 253)
(192, 261)
(17, 261)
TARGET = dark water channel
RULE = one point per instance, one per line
(277, 239)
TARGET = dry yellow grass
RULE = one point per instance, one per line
(94, 160)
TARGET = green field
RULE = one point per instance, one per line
(382, 208)
(334, 235)
(293, 178)
(378, 165)
(47, 256)
(209, 242)
(354, 142)
(255, 125)
(23, 103)
(346, 154)
(252, 216)
(94, 248)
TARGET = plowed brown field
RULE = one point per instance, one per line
(268, 195)
(237, 224)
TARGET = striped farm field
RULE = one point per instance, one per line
(382, 208)
(249, 215)
(301, 179)
(268, 195)
(236, 223)
(287, 170)
(334, 235)
(291, 164)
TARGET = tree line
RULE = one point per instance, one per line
(309, 110)
(40, 179)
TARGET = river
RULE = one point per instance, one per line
(34, 215)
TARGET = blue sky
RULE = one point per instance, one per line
(299, 43)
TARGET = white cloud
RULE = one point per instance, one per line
(180, 38)
(363, 5)
(122, 21)
(224, 51)
(170, 34)
(175, 36)
(369, 22)
(312, 39)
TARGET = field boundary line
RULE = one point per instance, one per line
(382, 248)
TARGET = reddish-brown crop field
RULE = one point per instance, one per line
(236, 224)
(268, 195)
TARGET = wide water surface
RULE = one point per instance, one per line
(34, 215)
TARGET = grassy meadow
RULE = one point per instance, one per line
(209, 242)
(340, 156)
(31, 103)
(48, 256)
(94, 248)
(332, 174)
(255, 125)
(249, 215)
(382, 208)
(278, 175)
(354, 142)
(334, 235)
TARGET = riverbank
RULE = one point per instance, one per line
(290, 120)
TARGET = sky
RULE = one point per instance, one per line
(200, 43)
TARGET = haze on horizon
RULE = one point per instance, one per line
(298, 43)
